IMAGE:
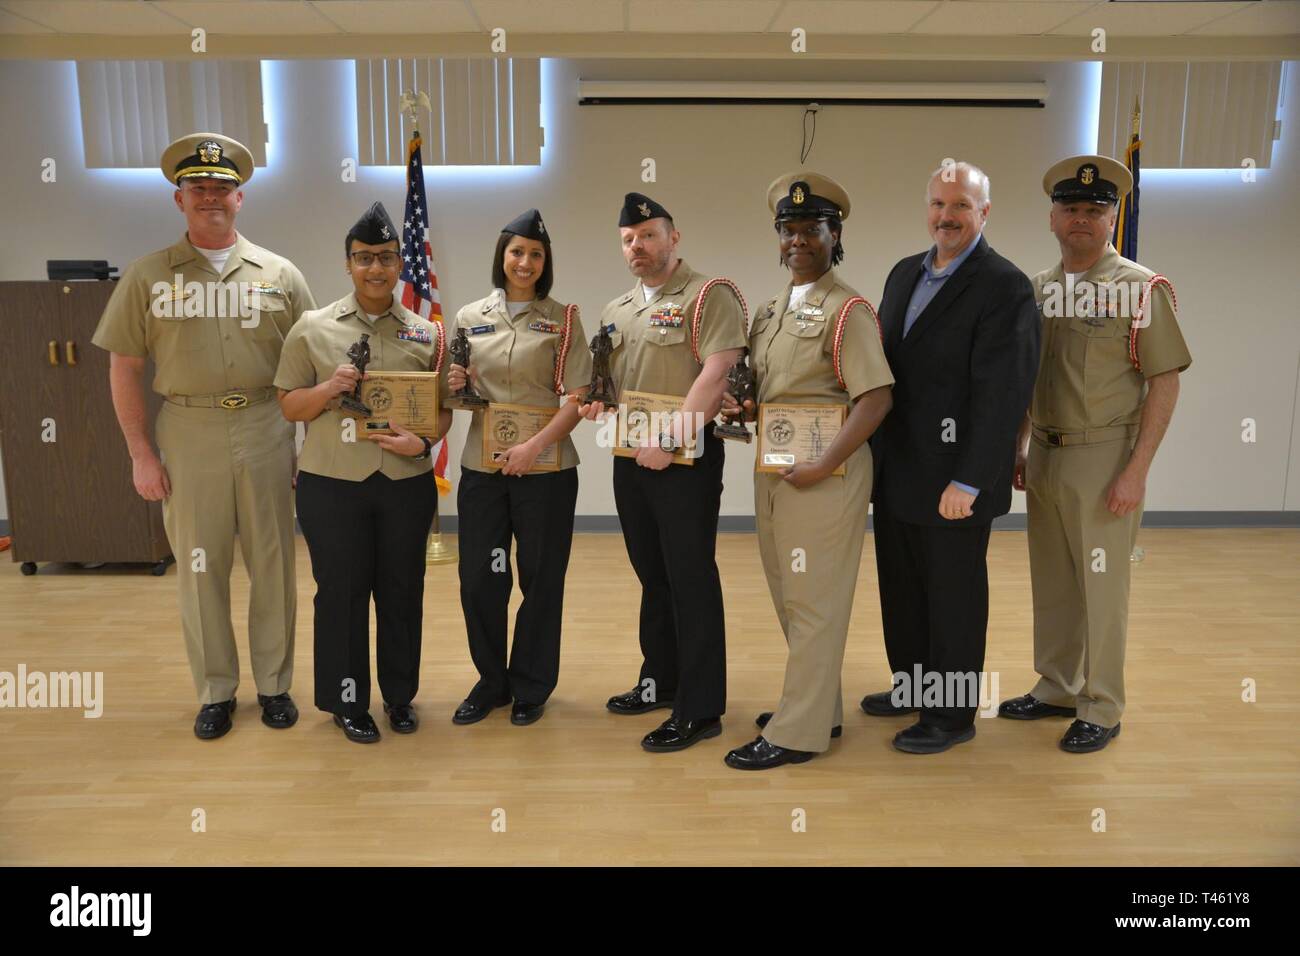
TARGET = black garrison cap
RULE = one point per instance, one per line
(374, 228)
(637, 208)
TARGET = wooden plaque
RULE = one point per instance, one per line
(789, 434)
(408, 398)
(506, 425)
(638, 412)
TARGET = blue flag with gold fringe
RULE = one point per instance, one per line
(1126, 217)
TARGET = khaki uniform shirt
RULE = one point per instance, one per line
(1086, 378)
(792, 350)
(652, 346)
(400, 341)
(519, 360)
(206, 337)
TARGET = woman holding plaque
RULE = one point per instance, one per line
(823, 386)
(365, 501)
(519, 475)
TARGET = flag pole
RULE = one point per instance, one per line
(436, 551)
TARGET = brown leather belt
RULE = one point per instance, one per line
(1062, 439)
(239, 398)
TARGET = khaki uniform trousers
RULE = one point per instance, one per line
(230, 472)
(1080, 614)
(828, 522)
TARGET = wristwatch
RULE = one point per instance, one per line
(428, 447)
(666, 443)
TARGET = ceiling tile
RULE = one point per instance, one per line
(1000, 17)
(399, 16)
(552, 16)
(104, 17)
(1146, 19)
(852, 16)
(702, 16)
(271, 17)
(11, 24)
(1263, 19)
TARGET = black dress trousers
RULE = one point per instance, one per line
(670, 527)
(366, 537)
(537, 510)
(934, 604)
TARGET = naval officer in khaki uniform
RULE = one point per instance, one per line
(525, 349)
(1106, 390)
(817, 343)
(365, 502)
(212, 312)
(676, 333)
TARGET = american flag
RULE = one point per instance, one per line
(419, 282)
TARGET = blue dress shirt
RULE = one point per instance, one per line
(927, 287)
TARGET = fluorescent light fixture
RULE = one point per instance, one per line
(632, 92)
(1090, 111)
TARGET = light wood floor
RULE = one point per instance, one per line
(1198, 776)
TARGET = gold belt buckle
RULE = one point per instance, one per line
(234, 400)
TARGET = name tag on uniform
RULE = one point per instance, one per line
(608, 328)
(667, 316)
(543, 326)
(415, 335)
(480, 329)
(163, 308)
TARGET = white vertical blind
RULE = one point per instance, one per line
(483, 112)
(131, 109)
(1194, 115)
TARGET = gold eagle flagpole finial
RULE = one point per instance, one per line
(411, 101)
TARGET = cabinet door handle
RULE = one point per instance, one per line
(70, 352)
(54, 352)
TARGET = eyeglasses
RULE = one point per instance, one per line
(366, 259)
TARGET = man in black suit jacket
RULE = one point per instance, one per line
(961, 333)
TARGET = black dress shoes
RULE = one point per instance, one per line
(762, 720)
(924, 739)
(633, 703)
(882, 705)
(213, 720)
(360, 730)
(1030, 707)
(1086, 738)
(522, 714)
(761, 755)
(471, 713)
(402, 718)
(677, 734)
(278, 711)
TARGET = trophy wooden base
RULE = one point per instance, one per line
(357, 407)
(471, 401)
(734, 431)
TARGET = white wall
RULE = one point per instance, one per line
(1229, 247)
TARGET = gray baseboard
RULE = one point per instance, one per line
(744, 524)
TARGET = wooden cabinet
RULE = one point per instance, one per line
(70, 499)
